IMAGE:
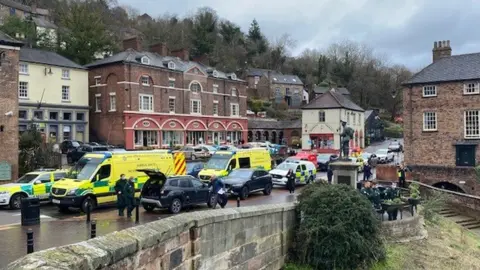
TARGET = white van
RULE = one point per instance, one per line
(305, 172)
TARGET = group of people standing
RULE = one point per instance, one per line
(125, 190)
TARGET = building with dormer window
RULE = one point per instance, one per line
(158, 98)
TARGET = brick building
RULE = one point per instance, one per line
(157, 98)
(442, 120)
(9, 60)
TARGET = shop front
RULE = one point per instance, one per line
(323, 143)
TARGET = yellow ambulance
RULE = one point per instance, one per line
(92, 180)
(223, 162)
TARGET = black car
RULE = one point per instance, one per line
(324, 159)
(69, 145)
(173, 192)
(77, 153)
(242, 182)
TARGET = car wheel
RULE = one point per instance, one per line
(16, 201)
(210, 201)
(244, 193)
(175, 206)
(86, 203)
(148, 207)
(268, 189)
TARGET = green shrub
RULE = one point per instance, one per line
(431, 207)
(34, 153)
(338, 229)
(393, 131)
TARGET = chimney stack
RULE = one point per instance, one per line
(132, 43)
(160, 48)
(183, 54)
(441, 49)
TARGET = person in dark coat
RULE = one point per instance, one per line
(367, 171)
(291, 181)
(216, 185)
(329, 174)
(119, 189)
(129, 193)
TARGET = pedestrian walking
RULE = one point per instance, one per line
(367, 171)
(129, 193)
(217, 196)
(329, 174)
(119, 189)
(291, 181)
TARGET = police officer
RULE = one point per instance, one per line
(119, 190)
(130, 196)
(291, 181)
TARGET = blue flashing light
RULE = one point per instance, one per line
(169, 151)
(234, 152)
(107, 154)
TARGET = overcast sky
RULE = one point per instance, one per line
(402, 29)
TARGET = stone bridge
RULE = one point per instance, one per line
(254, 238)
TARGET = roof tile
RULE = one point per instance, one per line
(332, 100)
(46, 57)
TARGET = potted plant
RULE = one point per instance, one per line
(391, 206)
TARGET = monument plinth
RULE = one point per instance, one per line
(345, 172)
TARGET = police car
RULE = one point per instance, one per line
(305, 172)
(33, 184)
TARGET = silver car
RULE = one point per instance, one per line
(384, 156)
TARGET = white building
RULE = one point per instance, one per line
(321, 122)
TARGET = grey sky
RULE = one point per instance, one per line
(404, 30)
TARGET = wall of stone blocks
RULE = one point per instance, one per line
(256, 237)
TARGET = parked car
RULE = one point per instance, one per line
(78, 153)
(173, 192)
(193, 168)
(226, 148)
(384, 156)
(210, 148)
(395, 146)
(246, 181)
(68, 145)
(324, 159)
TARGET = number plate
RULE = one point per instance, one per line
(56, 201)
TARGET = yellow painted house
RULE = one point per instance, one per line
(321, 122)
(53, 94)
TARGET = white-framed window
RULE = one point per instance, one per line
(23, 89)
(98, 102)
(171, 82)
(429, 121)
(430, 91)
(215, 107)
(360, 119)
(234, 109)
(23, 68)
(321, 116)
(215, 88)
(172, 138)
(146, 138)
(471, 88)
(472, 124)
(98, 80)
(146, 103)
(256, 79)
(65, 74)
(234, 92)
(145, 60)
(195, 87)
(65, 93)
(145, 80)
(113, 102)
(171, 65)
(195, 106)
(171, 104)
(354, 118)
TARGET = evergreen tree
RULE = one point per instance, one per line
(204, 32)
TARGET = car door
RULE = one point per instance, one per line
(188, 190)
(255, 181)
(101, 187)
(201, 191)
(39, 188)
(262, 179)
(304, 172)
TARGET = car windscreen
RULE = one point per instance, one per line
(98, 149)
(323, 157)
(84, 168)
(27, 178)
(382, 151)
(243, 174)
(287, 166)
(218, 162)
(75, 144)
(192, 165)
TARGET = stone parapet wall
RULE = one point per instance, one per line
(256, 237)
(406, 229)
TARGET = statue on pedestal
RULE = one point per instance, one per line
(345, 137)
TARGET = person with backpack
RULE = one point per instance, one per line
(218, 193)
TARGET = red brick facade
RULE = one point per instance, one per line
(126, 82)
(9, 57)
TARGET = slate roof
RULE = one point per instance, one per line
(332, 100)
(453, 68)
(156, 60)
(8, 40)
(24, 8)
(46, 57)
(368, 113)
(277, 77)
(261, 72)
(44, 23)
(273, 124)
(323, 90)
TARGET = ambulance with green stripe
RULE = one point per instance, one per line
(305, 172)
(33, 184)
(91, 182)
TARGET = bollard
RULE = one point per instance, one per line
(137, 213)
(88, 212)
(93, 229)
(238, 201)
(29, 241)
